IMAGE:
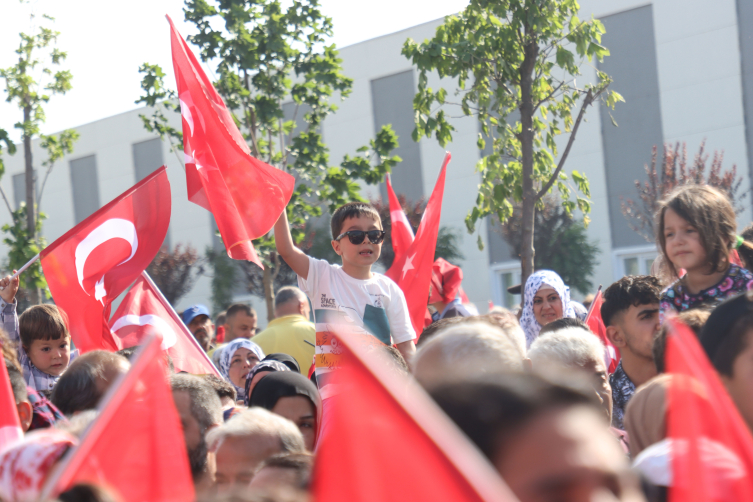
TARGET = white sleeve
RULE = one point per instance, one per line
(399, 317)
(311, 283)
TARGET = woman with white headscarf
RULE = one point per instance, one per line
(236, 361)
(545, 299)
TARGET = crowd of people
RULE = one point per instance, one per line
(531, 388)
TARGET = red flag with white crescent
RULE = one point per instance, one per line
(10, 425)
(135, 446)
(245, 195)
(412, 271)
(143, 311)
(95, 261)
(402, 233)
(596, 324)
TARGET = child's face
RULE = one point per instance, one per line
(50, 356)
(360, 255)
(683, 243)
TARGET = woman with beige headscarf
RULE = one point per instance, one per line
(646, 414)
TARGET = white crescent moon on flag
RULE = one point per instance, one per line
(114, 228)
(162, 327)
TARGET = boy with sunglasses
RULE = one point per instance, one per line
(350, 295)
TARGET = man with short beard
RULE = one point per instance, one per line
(200, 411)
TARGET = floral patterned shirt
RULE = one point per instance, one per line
(622, 390)
(676, 297)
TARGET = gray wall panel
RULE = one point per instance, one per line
(745, 32)
(392, 99)
(147, 157)
(627, 148)
(85, 183)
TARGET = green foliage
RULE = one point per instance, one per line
(268, 53)
(223, 278)
(507, 56)
(9, 145)
(561, 244)
(23, 248)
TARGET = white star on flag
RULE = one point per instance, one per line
(408, 265)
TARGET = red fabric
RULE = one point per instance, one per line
(10, 425)
(380, 428)
(402, 232)
(412, 272)
(95, 261)
(245, 195)
(712, 446)
(445, 281)
(135, 446)
(142, 311)
(734, 258)
(220, 336)
(596, 324)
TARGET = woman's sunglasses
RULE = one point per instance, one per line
(357, 236)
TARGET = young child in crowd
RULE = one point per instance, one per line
(696, 232)
(349, 295)
(42, 338)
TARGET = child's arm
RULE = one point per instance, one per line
(407, 349)
(294, 257)
(8, 315)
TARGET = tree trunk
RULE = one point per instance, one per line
(31, 219)
(526, 139)
(269, 292)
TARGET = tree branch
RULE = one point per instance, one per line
(586, 103)
(549, 96)
(7, 204)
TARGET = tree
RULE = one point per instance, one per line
(175, 272)
(673, 172)
(266, 54)
(37, 55)
(514, 56)
(447, 239)
(561, 244)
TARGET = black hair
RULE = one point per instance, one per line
(490, 412)
(239, 307)
(18, 384)
(565, 322)
(352, 210)
(734, 343)
(77, 388)
(221, 387)
(630, 291)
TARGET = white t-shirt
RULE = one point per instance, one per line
(373, 306)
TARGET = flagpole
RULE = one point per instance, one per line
(180, 322)
(112, 394)
(28, 264)
(593, 302)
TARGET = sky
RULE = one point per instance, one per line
(107, 41)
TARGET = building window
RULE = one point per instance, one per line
(85, 187)
(634, 261)
(505, 275)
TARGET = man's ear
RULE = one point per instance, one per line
(25, 414)
(614, 333)
(336, 247)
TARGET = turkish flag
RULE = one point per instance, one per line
(712, 446)
(596, 324)
(144, 310)
(10, 426)
(383, 427)
(135, 445)
(95, 261)
(402, 232)
(412, 271)
(245, 195)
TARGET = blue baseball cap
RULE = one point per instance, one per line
(195, 310)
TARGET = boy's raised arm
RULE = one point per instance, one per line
(294, 257)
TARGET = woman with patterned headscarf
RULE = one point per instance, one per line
(545, 299)
(236, 361)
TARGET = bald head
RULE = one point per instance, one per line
(291, 301)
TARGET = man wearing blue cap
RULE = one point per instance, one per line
(200, 325)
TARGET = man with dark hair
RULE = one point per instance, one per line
(240, 322)
(727, 338)
(200, 325)
(284, 470)
(290, 332)
(548, 442)
(631, 315)
(86, 380)
(200, 411)
(21, 397)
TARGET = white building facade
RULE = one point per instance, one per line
(685, 68)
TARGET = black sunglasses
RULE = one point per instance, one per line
(357, 236)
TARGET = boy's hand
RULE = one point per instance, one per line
(9, 288)
(294, 257)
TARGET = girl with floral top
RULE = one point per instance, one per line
(696, 230)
